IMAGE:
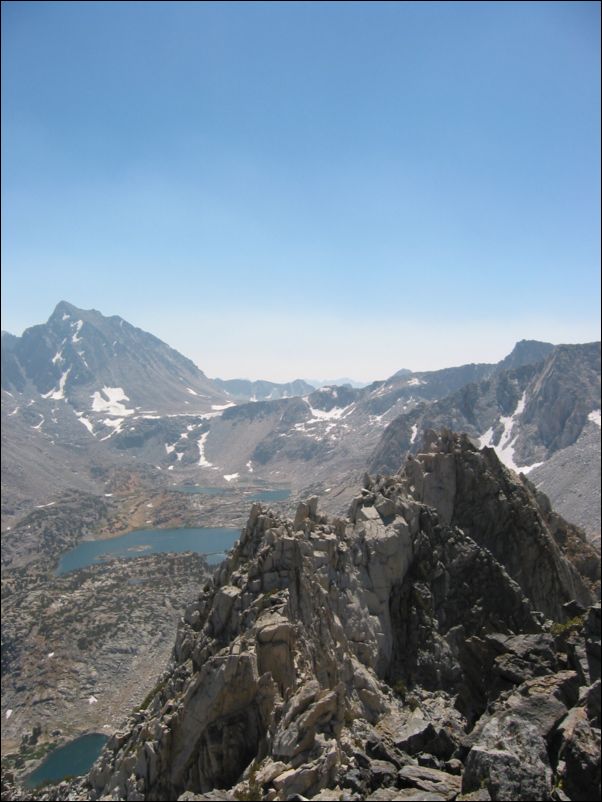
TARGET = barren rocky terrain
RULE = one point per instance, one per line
(367, 658)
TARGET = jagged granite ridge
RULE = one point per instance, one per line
(370, 656)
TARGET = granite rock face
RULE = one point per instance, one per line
(389, 655)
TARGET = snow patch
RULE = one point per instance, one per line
(415, 382)
(250, 466)
(14, 412)
(50, 654)
(58, 357)
(112, 423)
(203, 461)
(414, 433)
(485, 439)
(223, 406)
(41, 506)
(209, 415)
(39, 424)
(78, 327)
(9, 712)
(85, 422)
(505, 447)
(594, 417)
(65, 316)
(333, 414)
(92, 700)
(60, 393)
(191, 391)
(528, 468)
(112, 403)
(169, 448)
(229, 477)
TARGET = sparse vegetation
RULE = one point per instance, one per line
(573, 624)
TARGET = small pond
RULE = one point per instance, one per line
(250, 494)
(72, 759)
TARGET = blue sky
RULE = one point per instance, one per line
(295, 189)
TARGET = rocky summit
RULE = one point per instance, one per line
(441, 642)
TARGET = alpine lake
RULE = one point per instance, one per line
(77, 756)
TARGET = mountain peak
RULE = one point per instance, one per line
(526, 352)
(64, 308)
(79, 351)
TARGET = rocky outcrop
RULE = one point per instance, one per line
(389, 655)
(472, 490)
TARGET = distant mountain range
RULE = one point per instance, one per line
(242, 390)
(542, 419)
(83, 392)
(246, 390)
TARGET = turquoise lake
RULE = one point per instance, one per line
(212, 542)
(72, 759)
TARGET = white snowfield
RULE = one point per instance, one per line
(111, 404)
(78, 327)
(229, 477)
(414, 433)
(223, 406)
(85, 422)
(113, 423)
(505, 446)
(57, 395)
(594, 417)
(203, 461)
(485, 439)
(415, 382)
(332, 414)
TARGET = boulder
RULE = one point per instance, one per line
(510, 760)
(579, 756)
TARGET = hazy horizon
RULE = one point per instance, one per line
(280, 190)
(496, 347)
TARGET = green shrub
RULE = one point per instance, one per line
(573, 624)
